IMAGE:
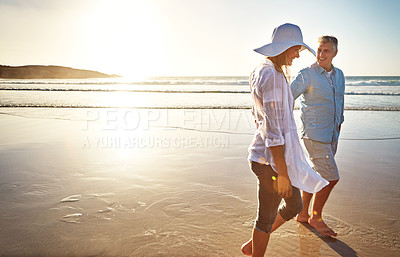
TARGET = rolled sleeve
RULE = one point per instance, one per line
(274, 111)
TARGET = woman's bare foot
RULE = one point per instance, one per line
(247, 248)
(321, 227)
(303, 217)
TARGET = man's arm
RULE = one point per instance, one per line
(342, 118)
(299, 85)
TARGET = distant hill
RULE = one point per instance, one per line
(48, 72)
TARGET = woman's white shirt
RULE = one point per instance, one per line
(273, 114)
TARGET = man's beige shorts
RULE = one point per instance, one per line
(322, 156)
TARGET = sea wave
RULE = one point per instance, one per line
(374, 82)
(373, 93)
(381, 93)
(124, 90)
(216, 80)
(388, 83)
(155, 82)
(178, 107)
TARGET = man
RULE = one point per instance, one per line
(321, 87)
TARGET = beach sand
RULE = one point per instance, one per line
(123, 182)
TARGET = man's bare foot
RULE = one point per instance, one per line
(321, 227)
(303, 217)
(247, 248)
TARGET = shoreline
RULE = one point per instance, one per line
(371, 109)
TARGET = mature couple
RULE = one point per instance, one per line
(275, 154)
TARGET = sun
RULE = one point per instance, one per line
(122, 37)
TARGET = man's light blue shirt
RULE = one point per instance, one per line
(322, 102)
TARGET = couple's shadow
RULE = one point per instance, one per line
(309, 247)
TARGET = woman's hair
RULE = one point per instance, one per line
(280, 63)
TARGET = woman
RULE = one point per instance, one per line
(275, 154)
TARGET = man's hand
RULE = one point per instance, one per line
(284, 186)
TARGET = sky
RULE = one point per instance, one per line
(138, 38)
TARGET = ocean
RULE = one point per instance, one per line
(377, 93)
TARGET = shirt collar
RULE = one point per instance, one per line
(321, 70)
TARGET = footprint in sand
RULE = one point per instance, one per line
(150, 232)
(72, 218)
(70, 199)
(102, 195)
(106, 213)
(142, 204)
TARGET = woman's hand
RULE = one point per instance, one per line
(284, 186)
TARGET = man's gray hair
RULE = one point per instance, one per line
(329, 39)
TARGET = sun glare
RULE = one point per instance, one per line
(123, 36)
(126, 99)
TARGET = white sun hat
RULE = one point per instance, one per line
(284, 37)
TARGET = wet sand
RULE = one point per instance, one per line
(120, 182)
